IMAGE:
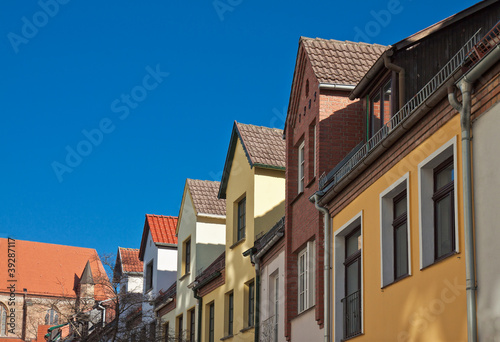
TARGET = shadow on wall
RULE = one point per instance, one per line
(265, 222)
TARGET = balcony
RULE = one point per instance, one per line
(352, 314)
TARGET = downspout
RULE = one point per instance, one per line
(401, 74)
(465, 86)
(326, 269)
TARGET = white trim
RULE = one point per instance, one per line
(339, 274)
(301, 167)
(432, 159)
(212, 216)
(389, 194)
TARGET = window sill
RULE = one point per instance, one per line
(445, 257)
(226, 337)
(240, 241)
(299, 195)
(184, 276)
(247, 328)
(305, 311)
(352, 337)
(311, 182)
(395, 281)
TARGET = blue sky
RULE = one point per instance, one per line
(108, 106)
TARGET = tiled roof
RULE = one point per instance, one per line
(264, 146)
(204, 195)
(162, 298)
(129, 258)
(340, 62)
(162, 228)
(49, 269)
(279, 227)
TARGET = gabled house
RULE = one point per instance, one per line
(400, 203)
(53, 283)
(253, 185)
(158, 252)
(322, 126)
(201, 236)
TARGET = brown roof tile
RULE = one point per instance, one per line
(264, 146)
(340, 62)
(130, 260)
(204, 195)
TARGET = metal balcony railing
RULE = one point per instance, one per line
(436, 82)
(352, 314)
(269, 331)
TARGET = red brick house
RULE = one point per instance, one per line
(322, 126)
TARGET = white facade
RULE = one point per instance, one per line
(272, 300)
(486, 166)
(207, 236)
(164, 261)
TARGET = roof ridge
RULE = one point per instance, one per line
(342, 41)
(155, 215)
(202, 180)
(273, 128)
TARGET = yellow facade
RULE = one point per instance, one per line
(430, 303)
(264, 190)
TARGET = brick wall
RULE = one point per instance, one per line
(340, 126)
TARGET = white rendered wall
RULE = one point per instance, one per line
(486, 166)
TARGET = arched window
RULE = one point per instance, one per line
(51, 318)
(3, 320)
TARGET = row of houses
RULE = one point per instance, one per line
(370, 216)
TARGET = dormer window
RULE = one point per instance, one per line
(380, 107)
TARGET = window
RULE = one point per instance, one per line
(211, 322)
(395, 232)
(380, 107)
(241, 218)
(306, 277)
(149, 276)
(192, 325)
(312, 152)
(152, 331)
(444, 232)
(229, 314)
(348, 279)
(274, 304)
(3, 320)
(251, 304)
(187, 256)
(438, 214)
(51, 317)
(167, 332)
(180, 324)
(301, 168)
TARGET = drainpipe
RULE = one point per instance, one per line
(200, 311)
(401, 73)
(465, 86)
(326, 269)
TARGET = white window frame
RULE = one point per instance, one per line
(307, 253)
(387, 230)
(314, 150)
(301, 167)
(426, 204)
(339, 274)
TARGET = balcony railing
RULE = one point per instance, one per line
(352, 314)
(269, 331)
(416, 101)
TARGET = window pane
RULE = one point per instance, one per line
(353, 243)
(375, 113)
(444, 225)
(400, 207)
(444, 176)
(401, 251)
(387, 96)
(352, 274)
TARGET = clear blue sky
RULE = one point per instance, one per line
(162, 82)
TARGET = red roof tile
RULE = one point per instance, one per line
(204, 195)
(129, 258)
(340, 62)
(162, 228)
(49, 269)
